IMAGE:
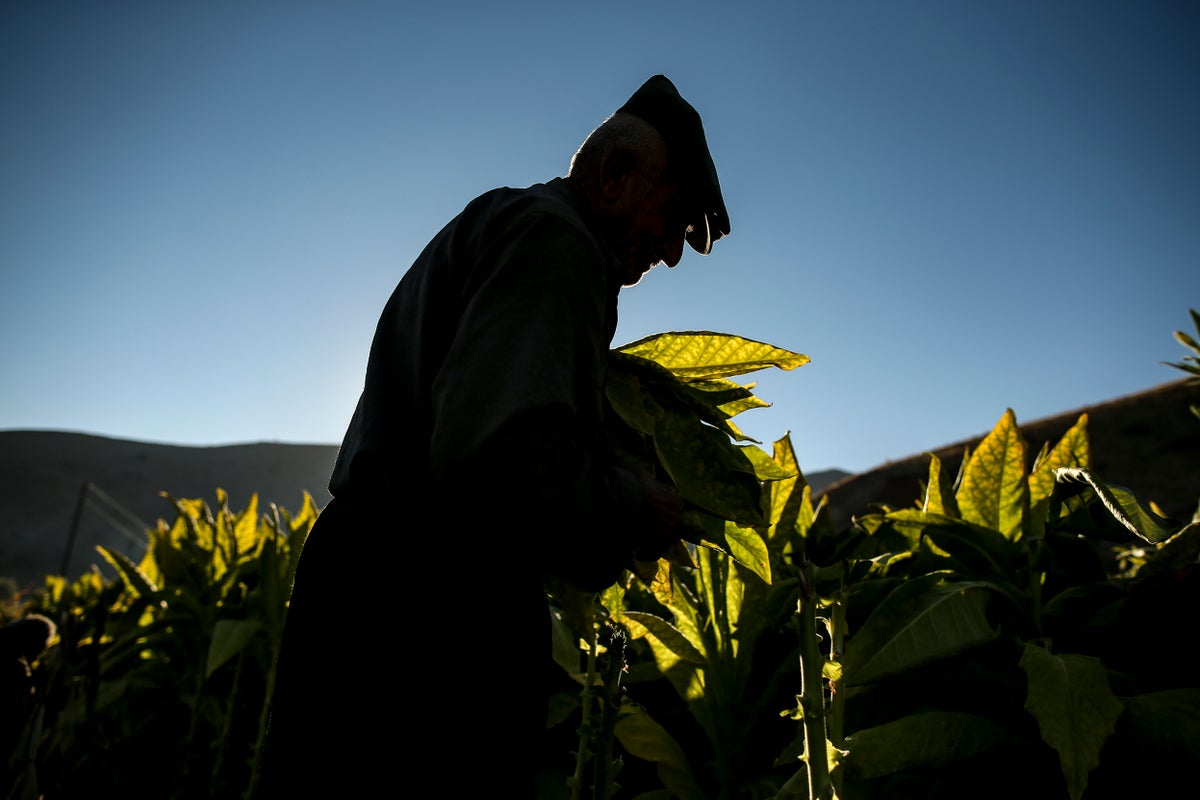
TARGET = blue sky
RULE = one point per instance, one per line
(952, 208)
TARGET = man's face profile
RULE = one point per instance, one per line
(654, 228)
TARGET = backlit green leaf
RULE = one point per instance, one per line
(939, 498)
(136, 581)
(695, 355)
(707, 469)
(746, 546)
(1072, 450)
(994, 491)
(1122, 504)
(765, 467)
(670, 636)
(782, 495)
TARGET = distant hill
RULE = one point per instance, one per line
(1148, 442)
(43, 475)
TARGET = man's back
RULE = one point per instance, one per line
(510, 294)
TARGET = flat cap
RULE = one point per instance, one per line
(659, 103)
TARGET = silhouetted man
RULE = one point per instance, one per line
(417, 645)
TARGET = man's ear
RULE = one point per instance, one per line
(615, 171)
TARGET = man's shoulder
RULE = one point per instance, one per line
(544, 211)
(550, 197)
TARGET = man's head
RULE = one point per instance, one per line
(650, 180)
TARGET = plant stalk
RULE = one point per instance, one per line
(812, 697)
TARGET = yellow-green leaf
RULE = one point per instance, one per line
(939, 498)
(994, 491)
(746, 546)
(703, 355)
(1072, 450)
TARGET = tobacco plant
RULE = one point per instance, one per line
(1003, 640)
(672, 404)
(157, 683)
(1190, 364)
(998, 628)
(993, 640)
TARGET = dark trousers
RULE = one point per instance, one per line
(415, 653)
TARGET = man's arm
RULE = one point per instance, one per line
(518, 411)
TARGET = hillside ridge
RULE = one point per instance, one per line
(1148, 442)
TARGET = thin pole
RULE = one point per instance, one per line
(66, 562)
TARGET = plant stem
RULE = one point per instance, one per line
(585, 724)
(603, 784)
(812, 697)
(835, 721)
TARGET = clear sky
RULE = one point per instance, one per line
(952, 208)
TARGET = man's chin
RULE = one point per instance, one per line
(633, 275)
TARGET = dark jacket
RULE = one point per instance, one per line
(483, 403)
